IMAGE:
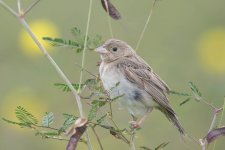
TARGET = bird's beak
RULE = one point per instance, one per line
(101, 50)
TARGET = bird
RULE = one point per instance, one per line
(123, 72)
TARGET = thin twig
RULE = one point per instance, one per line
(109, 19)
(82, 64)
(42, 48)
(220, 122)
(146, 25)
(83, 68)
(8, 8)
(31, 6)
(132, 139)
(97, 137)
(209, 104)
(85, 45)
(19, 6)
(56, 138)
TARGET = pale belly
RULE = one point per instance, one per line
(136, 100)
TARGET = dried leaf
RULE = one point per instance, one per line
(111, 9)
(214, 134)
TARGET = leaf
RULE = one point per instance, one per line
(76, 32)
(117, 97)
(69, 121)
(111, 9)
(197, 94)
(97, 41)
(25, 117)
(58, 42)
(13, 122)
(179, 93)
(145, 148)
(185, 101)
(214, 134)
(48, 119)
(161, 146)
(101, 119)
(96, 104)
(65, 87)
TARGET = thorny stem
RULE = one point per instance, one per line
(146, 25)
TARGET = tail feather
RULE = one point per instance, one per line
(171, 115)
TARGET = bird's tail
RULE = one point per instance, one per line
(171, 115)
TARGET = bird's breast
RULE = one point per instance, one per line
(115, 82)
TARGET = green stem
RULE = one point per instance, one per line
(85, 45)
(145, 27)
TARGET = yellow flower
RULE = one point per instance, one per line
(41, 28)
(212, 50)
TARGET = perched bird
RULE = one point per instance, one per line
(125, 73)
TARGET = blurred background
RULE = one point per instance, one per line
(184, 42)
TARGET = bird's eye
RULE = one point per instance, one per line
(114, 49)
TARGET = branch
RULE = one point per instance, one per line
(78, 130)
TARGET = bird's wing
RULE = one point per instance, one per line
(140, 73)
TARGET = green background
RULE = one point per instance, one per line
(169, 46)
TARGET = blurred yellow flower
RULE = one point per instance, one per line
(41, 28)
(22, 97)
(212, 50)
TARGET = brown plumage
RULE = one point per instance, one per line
(142, 88)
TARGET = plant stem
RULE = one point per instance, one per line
(132, 140)
(31, 6)
(97, 137)
(82, 65)
(146, 25)
(8, 8)
(221, 118)
(63, 76)
(85, 45)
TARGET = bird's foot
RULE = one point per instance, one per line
(135, 124)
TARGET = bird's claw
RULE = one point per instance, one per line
(135, 124)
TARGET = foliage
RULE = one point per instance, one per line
(78, 42)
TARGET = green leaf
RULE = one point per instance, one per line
(13, 122)
(69, 121)
(179, 93)
(48, 119)
(117, 97)
(185, 101)
(197, 94)
(76, 32)
(161, 146)
(96, 104)
(65, 87)
(25, 117)
(101, 119)
(58, 42)
(145, 148)
(97, 41)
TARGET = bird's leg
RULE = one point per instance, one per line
(137, 123)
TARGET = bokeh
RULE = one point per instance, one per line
(185, 41)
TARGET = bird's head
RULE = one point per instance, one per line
(114, 49)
